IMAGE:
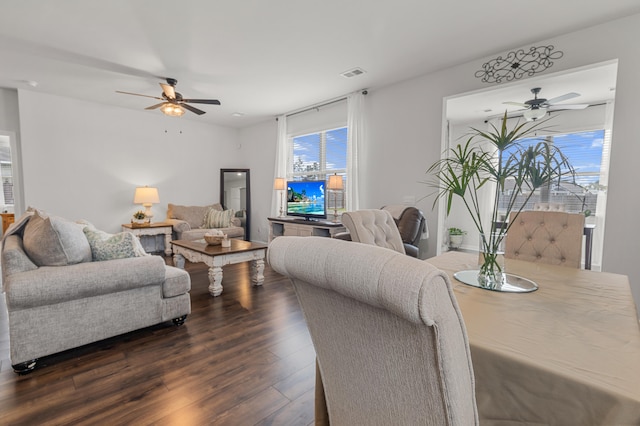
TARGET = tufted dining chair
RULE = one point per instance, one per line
(391, 344)
(551, 237)
(374, 227)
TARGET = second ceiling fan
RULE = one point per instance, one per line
(536, 108)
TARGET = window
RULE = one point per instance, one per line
(315, 156)
(7, 182)
(584, 151)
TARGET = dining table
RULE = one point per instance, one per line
(565, 354)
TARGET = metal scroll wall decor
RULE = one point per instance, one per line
(518, 64)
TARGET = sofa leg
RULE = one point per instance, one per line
(179, 320)
(25, 367)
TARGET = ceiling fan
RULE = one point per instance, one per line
(537, 107)
(172, 102)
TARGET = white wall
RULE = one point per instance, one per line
(259, 148)
(405, 135)
(83, 160)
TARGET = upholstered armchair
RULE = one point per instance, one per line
(391, 344)
(552, 237)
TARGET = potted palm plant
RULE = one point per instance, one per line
(490, 159)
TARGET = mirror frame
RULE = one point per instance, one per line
(247, 224)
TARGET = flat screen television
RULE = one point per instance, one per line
(305, 198)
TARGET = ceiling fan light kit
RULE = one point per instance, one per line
(173, 104)
(172, 110)
(534, 114)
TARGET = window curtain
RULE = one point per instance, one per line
(280, 170)
(601, 204)
(356, 124)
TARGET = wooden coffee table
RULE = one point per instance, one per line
(217, 256)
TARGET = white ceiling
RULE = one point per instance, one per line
(263, 58)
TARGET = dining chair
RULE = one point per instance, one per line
(551, 237)
(374, 227)
(390, 341)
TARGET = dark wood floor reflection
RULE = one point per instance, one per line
(244, 358)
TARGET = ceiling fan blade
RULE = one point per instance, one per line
(570, 106)
(203, 101)
(138, 94)
(156, 105)
(192, 109)
(518, 104)
(563, 98)
(168, 90)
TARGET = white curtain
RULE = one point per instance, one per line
(356, 124)
(601, 203)
(280, 170)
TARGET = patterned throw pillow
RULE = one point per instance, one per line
(106, 246)
(217, 219)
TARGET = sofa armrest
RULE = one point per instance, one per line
(236, 221)
(346, 236)
(179, 226)
(49, 285)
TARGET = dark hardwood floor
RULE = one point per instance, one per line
(243, 358)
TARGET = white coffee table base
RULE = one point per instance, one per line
(216, 262)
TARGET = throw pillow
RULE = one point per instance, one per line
(217, 219)
(105, 246)
(54, 241)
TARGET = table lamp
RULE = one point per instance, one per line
(280, 184)
(147, 197)
(335, 184)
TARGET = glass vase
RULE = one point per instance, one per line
(491, 260)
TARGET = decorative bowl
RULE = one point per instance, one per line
(214, 240)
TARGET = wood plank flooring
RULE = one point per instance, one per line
(243, 358)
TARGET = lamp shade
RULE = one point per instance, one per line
(335, 182)
(146, 195)
(279, 184)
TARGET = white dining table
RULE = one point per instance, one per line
(566, 354)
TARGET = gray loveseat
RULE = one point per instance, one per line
(189, 222)
(76, 300)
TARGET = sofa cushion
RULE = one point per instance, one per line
(193, 215)
(105, 246)
(217, 219)
(54, 241)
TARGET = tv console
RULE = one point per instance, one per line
(289, 226)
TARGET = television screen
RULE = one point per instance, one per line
(306, 198)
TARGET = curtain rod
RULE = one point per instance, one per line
(321, 105)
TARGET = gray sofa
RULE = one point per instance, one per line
(76, 300)
(189, 222)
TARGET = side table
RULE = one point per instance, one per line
(153, 229)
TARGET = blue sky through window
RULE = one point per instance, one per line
(584, 150)
(306, 149)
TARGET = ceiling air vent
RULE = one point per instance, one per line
(353, 73)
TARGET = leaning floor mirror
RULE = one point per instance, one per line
(235, 193)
